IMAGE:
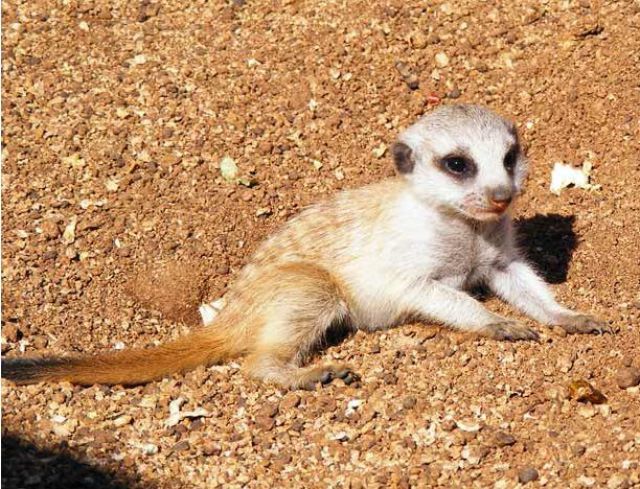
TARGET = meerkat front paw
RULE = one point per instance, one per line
(509, 330)
(584, 324)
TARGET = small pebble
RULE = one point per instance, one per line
(290, 401)
(266, 423)
(454, 94)
(474, 454)
(528, 474)
(448, 425)
(11, 332)
(585, 481)
(122, 420)
(578, 450)
(409, 402)
(503, 439)
(628, 377)
(418, 40)
(617, 481)
(40, 342)
(210, 448)
(149, 449)
(583, 391)
(181, 446)
(269, 410)
(442, 60)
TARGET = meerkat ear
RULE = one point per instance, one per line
(403, 157)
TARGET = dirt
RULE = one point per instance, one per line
(117, 222)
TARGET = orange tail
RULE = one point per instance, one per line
(205, 346)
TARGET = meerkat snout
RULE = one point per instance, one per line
(462, 158)
(500, 197)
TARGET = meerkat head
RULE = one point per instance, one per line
(462, 158)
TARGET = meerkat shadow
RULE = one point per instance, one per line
(548, 242)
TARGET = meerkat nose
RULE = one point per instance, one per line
(500, 197)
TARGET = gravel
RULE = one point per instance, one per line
(118, 222)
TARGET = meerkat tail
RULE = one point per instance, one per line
(137, 366)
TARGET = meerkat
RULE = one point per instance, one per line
(406, 248)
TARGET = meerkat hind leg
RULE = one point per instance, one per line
(301, 305)
(265, 366)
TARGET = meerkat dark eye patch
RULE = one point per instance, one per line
(511, 158)
(458, 165)
(403, 157)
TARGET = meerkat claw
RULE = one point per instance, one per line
(326, 374)
(586, 324)
(509, 330)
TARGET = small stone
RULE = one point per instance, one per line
(340, 436)
(453, 94)
(474, 454)
(181, 446)
(442, 60)
(503, 439)
(210, 448)
(265, 422)
(50, 229)
(407, 74)
(69, 234)
(66, 429)
(11, 332)
(583, 391)
(413, 82)
(228, 169)
(448, 425)
(147, 11)
(565, 364)
(418, 40)
(122, 420)
(111, 185)
(587, 411)
(390, 378)
(59, 397)
(528, 474)
(409, 402)
(379, 150)
(269, 410)
(578, 450)
(290, 401)
(628, 377)
(149, 449)
(468, 426)
(585, 481)
(557, 393)
(617, 481)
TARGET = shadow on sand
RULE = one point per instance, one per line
(548, 242)
(26, 466)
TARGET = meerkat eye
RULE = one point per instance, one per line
(457, 165)
(511, 158)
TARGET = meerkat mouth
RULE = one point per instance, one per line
(484, 213)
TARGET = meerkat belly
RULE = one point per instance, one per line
(380, 282)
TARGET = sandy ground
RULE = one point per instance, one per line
(116, 224)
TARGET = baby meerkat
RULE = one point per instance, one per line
(371, 258)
